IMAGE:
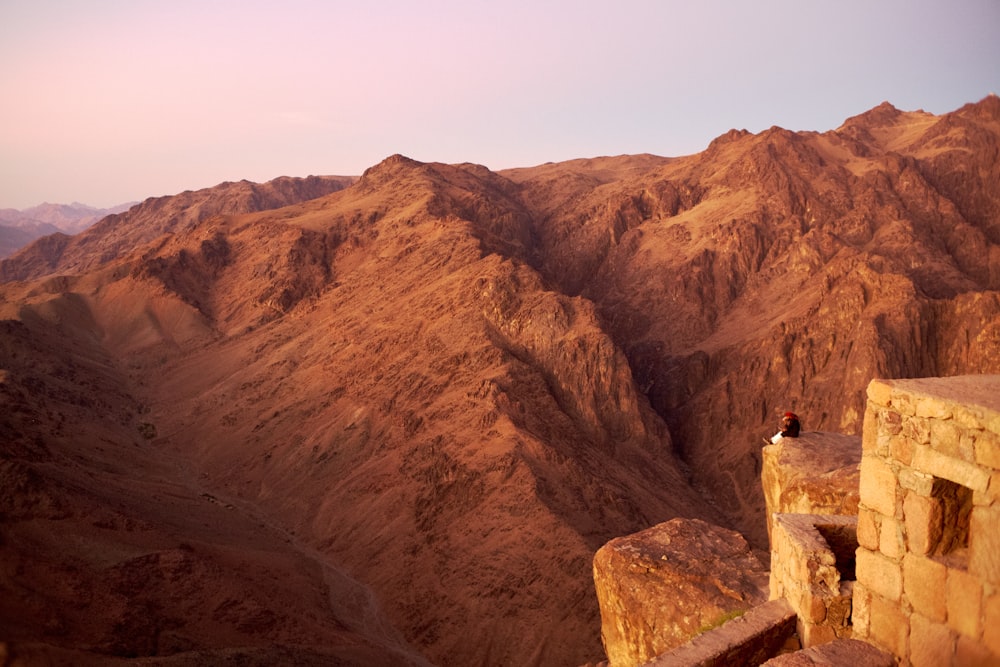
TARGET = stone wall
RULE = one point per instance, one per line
(928, 561)
(748, 640)
(812, 566)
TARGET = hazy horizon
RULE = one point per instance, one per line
(110, 102)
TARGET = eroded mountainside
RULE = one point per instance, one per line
(444, 388)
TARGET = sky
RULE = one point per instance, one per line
(110, 101)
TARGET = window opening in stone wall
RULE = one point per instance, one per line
(954, 502)
(843, 542)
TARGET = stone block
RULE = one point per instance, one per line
(933, 408)
(970, 653)
(880, 575)
(861, 603)
(653, 587)
(917, 430)
(965, 596)
(840, 652)
(814, 635)
(813, 607)
(967, 447)
(868, 529)
(901, 449)
(878, 485)
(891, 538)
(993, 493)
(931, 644)
(880, 393)
(889, 627)
(984, 543)
(991, 621)
(919, 482)
(987, 446)
(946, 437)
(838, 612)
(870, 427)
(922, 522)
(903, 402)
(933, 462)
(924, 585)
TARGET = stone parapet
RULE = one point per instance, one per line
(816, 473)
(812, 566)
(928, 560)
(748, 640)
(845, 652)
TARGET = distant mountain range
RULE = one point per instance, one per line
(390, 419)
(19, 228)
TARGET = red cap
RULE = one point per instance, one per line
(790, 415)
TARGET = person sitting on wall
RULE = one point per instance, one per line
(789, 428)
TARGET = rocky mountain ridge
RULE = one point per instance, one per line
(454, 385)
(19, 228)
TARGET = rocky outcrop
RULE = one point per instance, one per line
(121, 233)
(816, 473)
(783, 270)
(662, 586)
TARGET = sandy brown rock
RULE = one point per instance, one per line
(666, 584)
(121, 233)
(816, 473)
(783, 270)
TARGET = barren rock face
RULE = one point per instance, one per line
(661, 586)
(453, 386)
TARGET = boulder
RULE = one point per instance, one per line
(662, 586)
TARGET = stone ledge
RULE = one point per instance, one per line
(747, 640)
(972, 400)
(816, 473)
(845, 652)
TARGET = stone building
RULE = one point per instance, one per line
(884, 549)
(928, 558)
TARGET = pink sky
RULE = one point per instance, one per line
(109, 101)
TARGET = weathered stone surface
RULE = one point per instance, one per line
(746, 640)
(984, 543)
(956, 470)
(812, 567)
(878, 485)
(848, 652)
(868, 536)
(965, 596)
(931, 644)
(889, 626)
(924, 585)
(880, 574)
(662, 586)
(991, 619)
(970, 399)
(923, 522)
(816, 473)
(880, 392)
